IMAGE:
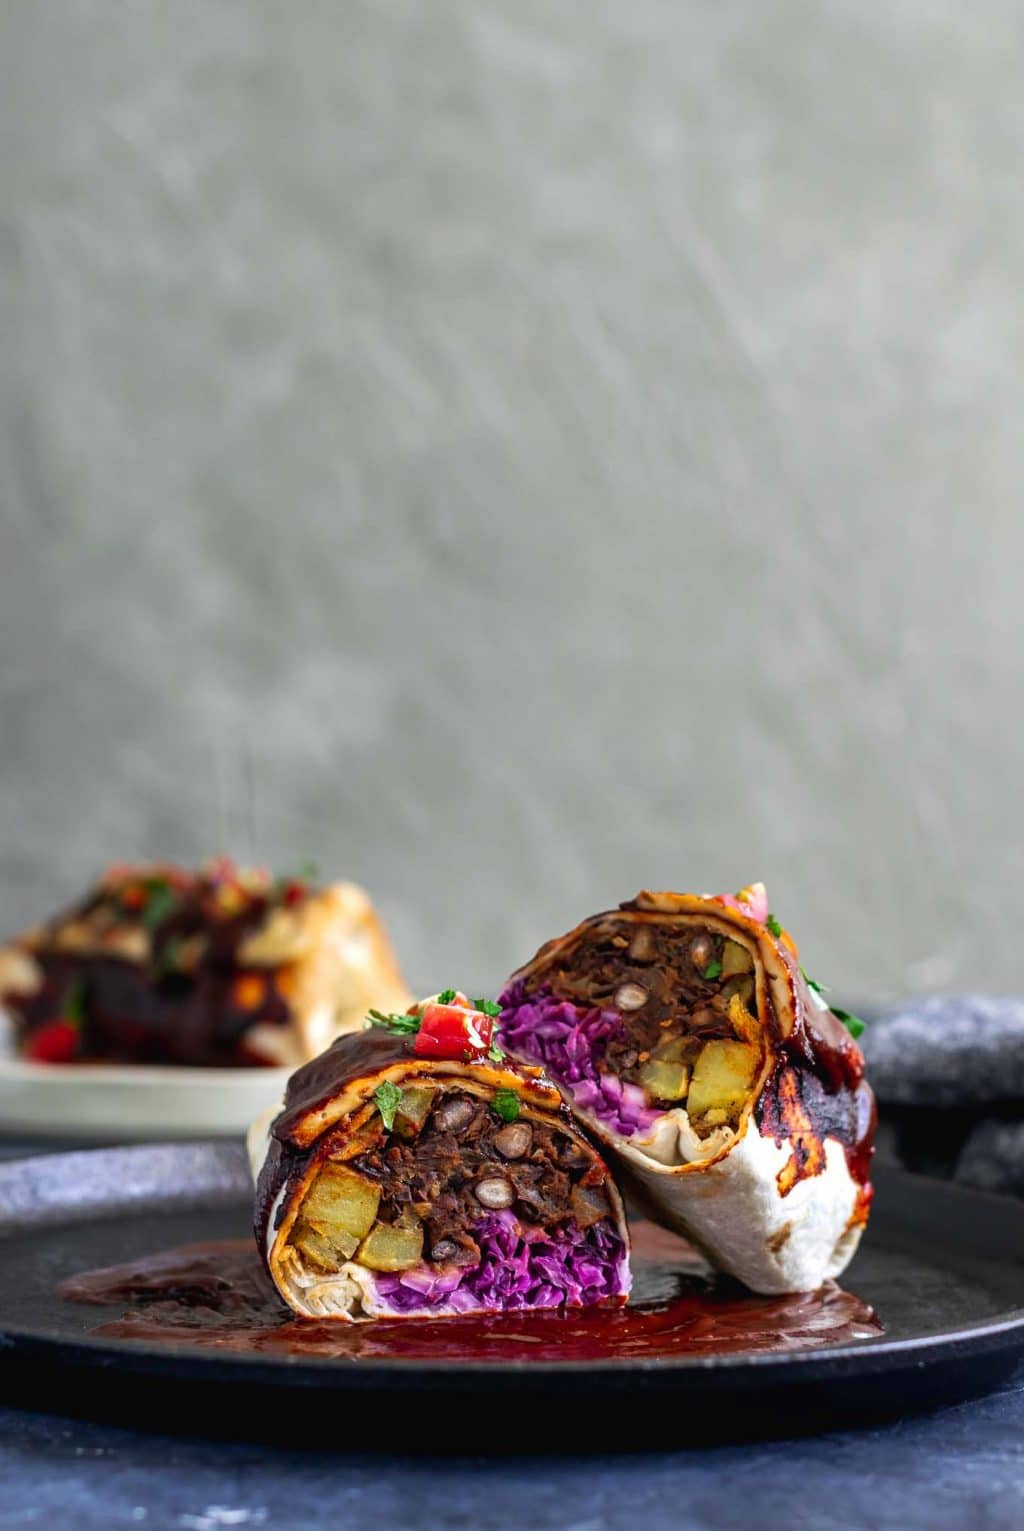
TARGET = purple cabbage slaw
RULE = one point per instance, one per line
(570, 1042)
(520, 1267)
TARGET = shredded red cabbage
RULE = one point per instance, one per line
(571, 1042)
(520, 1267)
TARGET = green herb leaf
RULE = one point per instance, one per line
(495, 1053)
(388, 1097)
(819, 988)
(403, 1025)
(487, 1007)
(162, 901)
(853, 1023)
(505, 1103)
(713, 969)
(773, 926)
(72, 1005)
(446, 996)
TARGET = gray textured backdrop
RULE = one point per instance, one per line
(516, 453)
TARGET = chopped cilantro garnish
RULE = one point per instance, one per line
(819, 988)
(505, 1103)
(487, 1006)
(161, 902)
(388, 1097)
(853, 1023)
(72, 1005)
(773, 926)
(446, 996)
(496, 1053)
(713, 969)
(404, 1025)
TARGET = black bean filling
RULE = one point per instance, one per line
(674, 988)
(466, 1160)
(417, 1191)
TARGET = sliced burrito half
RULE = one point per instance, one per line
(415, 1171)
(685, 1034)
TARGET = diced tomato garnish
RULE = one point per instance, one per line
(449, 1031)
(751, 901)
(56, 1042)
(294, 893)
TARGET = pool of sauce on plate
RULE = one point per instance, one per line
(217, 1297)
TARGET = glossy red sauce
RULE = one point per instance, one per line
(217, 1296)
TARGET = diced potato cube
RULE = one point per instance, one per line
(413, 1109)
(665, 1080)
(722, 1077)
(743, 986)
(735, 959)
(673, 1049)
(340, 1201)
(393, 1248)
(328, 1249)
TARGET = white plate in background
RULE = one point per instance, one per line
(120, 1102)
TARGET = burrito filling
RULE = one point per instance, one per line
(644, 1023)
(157, 965)
(447, 1202)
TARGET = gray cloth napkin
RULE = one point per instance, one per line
(948, 1072)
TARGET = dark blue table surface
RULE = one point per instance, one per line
(960, 1467)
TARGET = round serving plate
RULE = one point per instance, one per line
(109, 1103)
(943, 1268)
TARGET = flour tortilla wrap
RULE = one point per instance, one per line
(396, 1186)
(684, 1034)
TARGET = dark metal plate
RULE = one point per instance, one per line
(943, 1267)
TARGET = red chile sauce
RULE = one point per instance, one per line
(217, 1297)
